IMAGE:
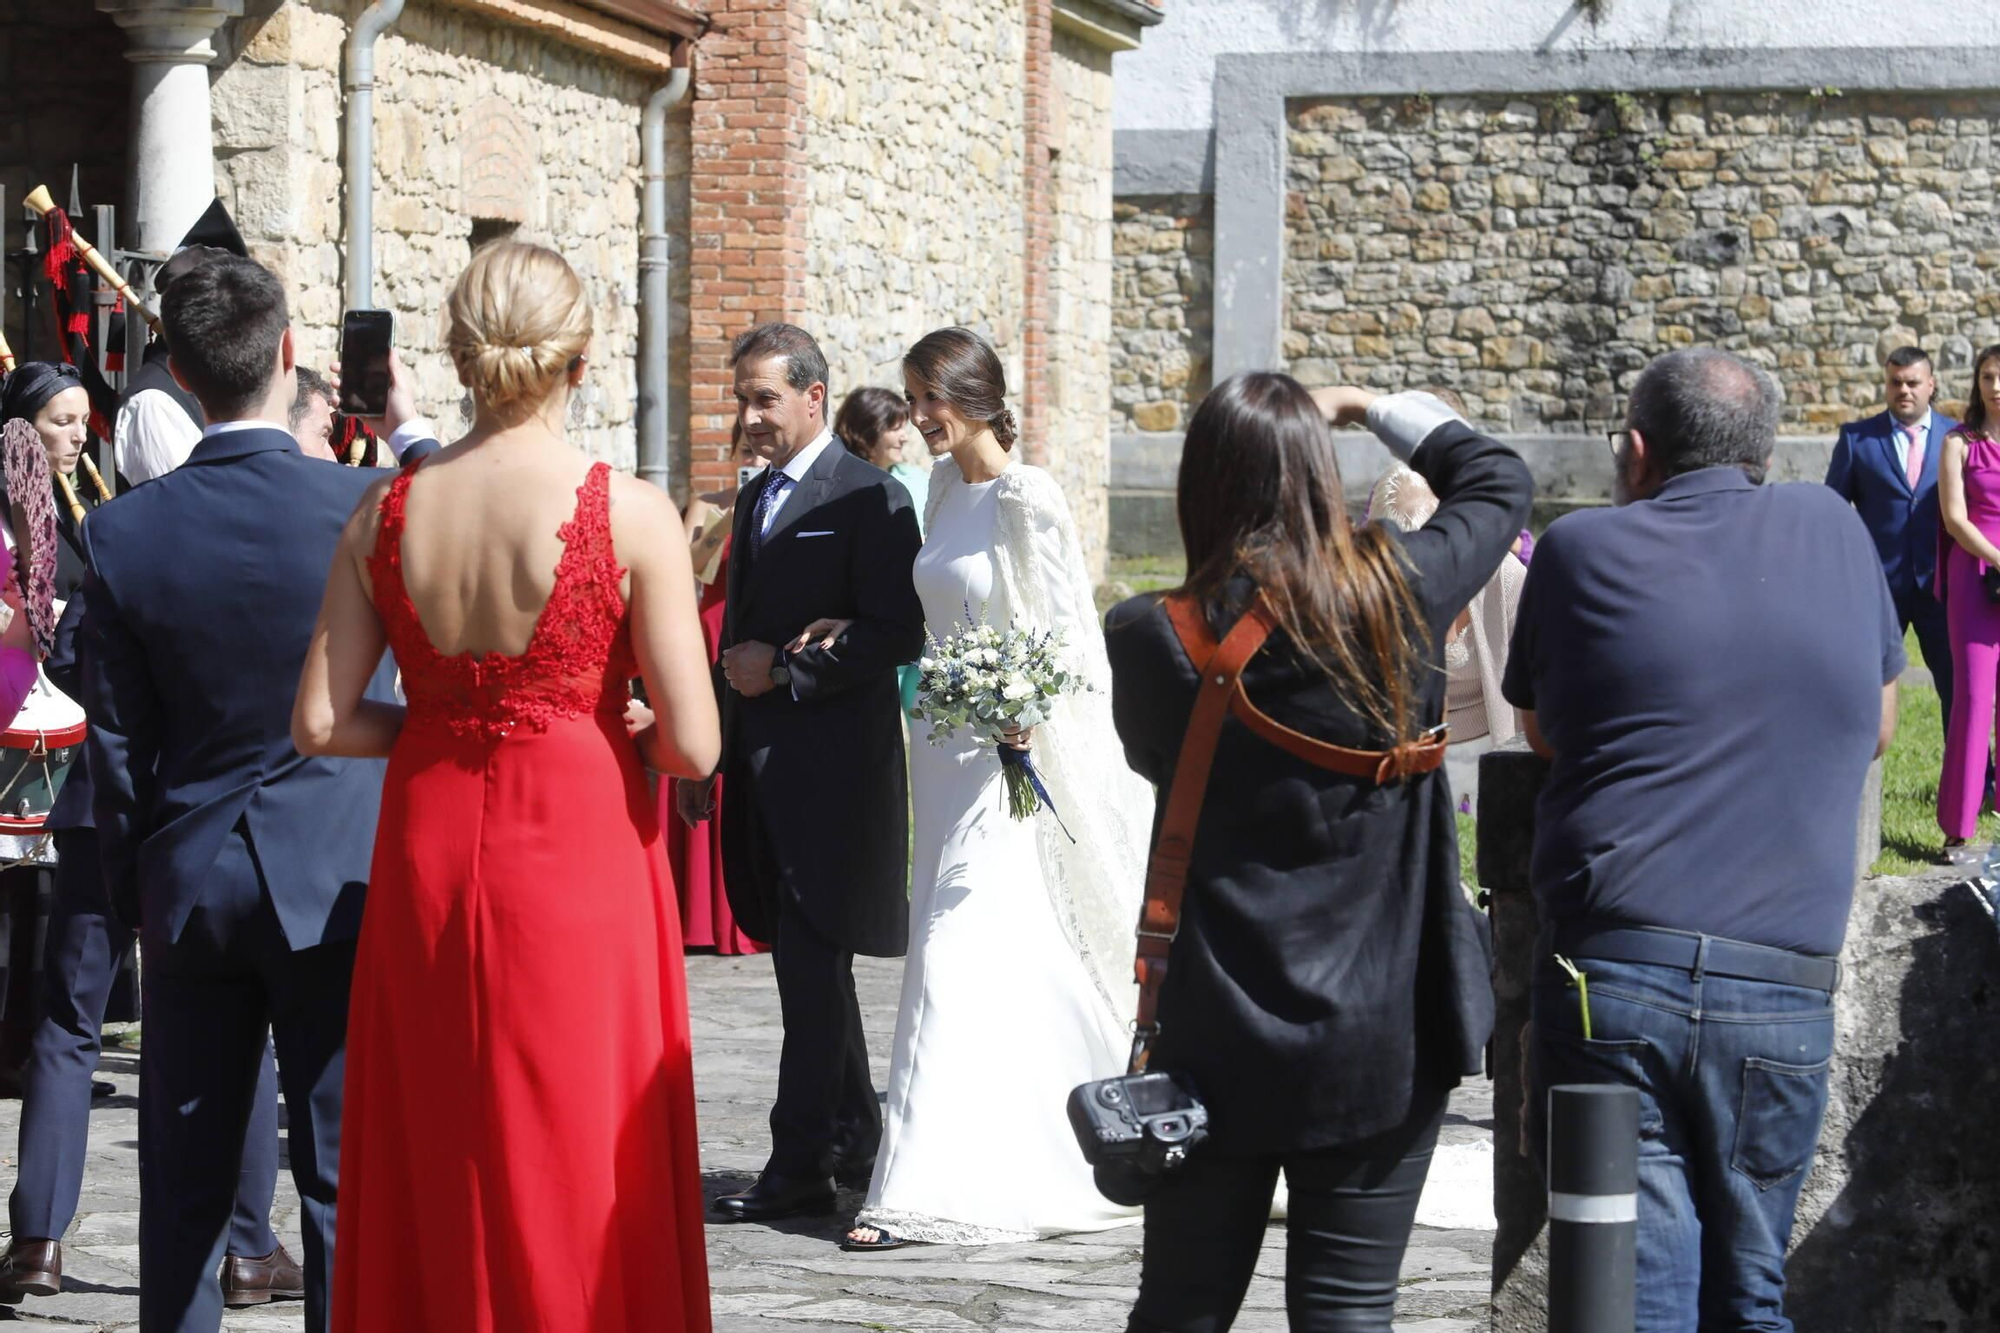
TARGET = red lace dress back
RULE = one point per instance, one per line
(520, 1104)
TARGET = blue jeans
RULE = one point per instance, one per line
(1732, 1080)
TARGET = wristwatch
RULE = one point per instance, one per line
(780, 673)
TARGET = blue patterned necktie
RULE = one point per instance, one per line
(774, 486)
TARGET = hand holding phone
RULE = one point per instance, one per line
(366, 337)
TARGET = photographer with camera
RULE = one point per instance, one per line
(1323, 984)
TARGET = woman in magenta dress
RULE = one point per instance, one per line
(1968, 582)
(519, 1125)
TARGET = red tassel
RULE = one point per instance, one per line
(98, 425)
(61, 251)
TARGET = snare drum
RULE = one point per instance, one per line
(36, 752)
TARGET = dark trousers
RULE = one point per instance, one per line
(1926, 612)
(82, 952)
(826, 1106)
(1348, 1222)
(1732, 1077)
(25, 893)
(211, 996)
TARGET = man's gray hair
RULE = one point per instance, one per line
(805, 364)
(1703, 407)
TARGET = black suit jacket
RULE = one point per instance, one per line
(817, 771)
(1307, 998)
(203, 590)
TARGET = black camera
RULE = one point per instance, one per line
(1135, 1130)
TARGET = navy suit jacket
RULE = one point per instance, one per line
(1901, 518)
(203, 590)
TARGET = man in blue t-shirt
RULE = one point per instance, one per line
(1711, 667)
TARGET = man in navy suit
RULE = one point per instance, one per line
(248, 862)
(1886, 467)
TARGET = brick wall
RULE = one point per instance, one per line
(748, 197)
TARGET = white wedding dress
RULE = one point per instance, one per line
(1018, 984)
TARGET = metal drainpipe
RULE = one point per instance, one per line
(360, 163)
(653, 310)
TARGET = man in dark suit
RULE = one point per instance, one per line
(85, 944)
(1886, 467)
(815, 832)
(247, 861)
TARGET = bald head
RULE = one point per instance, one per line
(1702, 408)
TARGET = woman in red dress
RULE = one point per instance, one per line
(519, 1123)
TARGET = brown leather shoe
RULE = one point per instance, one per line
(31, 1268)
(275, 1277)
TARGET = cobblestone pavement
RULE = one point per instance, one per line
(790, 1278)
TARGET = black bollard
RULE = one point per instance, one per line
(1593, 1207)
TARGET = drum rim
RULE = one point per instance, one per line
(50, 738)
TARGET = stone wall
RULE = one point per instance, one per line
(914, 165)
(1079, 288)
(67, 101)
(1162, 309)
(479, 129)
(1534, 254)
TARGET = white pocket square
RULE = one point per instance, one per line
(803, 535)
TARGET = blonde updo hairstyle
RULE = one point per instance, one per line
(518, 320)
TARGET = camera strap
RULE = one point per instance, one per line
(1219, 694)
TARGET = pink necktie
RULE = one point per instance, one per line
(1915, 467)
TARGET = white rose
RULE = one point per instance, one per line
(1017, 688)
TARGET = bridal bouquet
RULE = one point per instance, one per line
(989, 681)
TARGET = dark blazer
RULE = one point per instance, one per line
(823, 774)
(204, 587)
(1306, 997)
(1901, 518)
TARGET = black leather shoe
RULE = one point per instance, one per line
(775, 1196)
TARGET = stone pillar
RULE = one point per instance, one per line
(171, 165)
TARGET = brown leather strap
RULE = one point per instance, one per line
(1219, 671)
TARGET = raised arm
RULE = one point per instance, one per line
(685, 740)
(331, 716)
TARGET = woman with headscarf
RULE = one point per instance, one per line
(44, 413)
(52, 399)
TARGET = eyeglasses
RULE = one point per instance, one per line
(1618, 439)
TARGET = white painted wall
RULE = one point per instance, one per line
(1166, 83)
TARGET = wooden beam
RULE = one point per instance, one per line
(651, 49)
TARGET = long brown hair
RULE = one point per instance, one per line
(1260, 496)
(962, 368)
(1977, 420)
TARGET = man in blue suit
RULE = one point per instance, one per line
(1886, 467)
(248, 862)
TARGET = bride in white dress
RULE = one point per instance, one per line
(1019, 984)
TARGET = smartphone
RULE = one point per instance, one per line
(365, 339)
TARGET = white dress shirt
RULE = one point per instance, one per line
(153, 436)
(795, 472)
(225, 427)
